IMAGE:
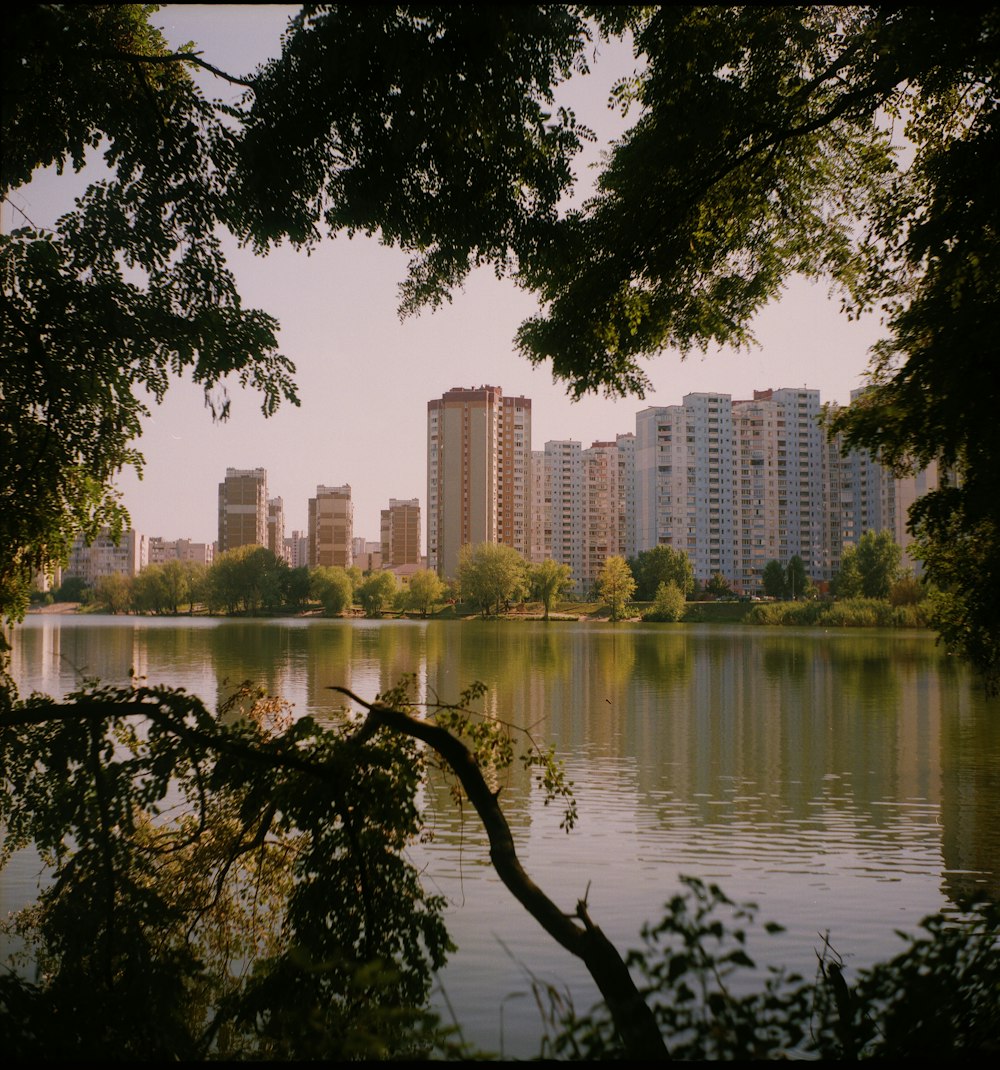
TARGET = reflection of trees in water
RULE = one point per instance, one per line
(970, 791)
(663, 656)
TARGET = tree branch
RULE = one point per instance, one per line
(632, 1016)
(180, 57)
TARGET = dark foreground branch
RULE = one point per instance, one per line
(633, 1017)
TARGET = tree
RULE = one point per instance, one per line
(131, 288)
(549, 579)
(765, 147)
(333, 587)
(796, 580)
(615, 584)
(72, 589)
(376, 592)
(246, 579)
(661, 564)
(668, 605)
(774, 579)
(297, 586)
(114, 592)
(425, 590)
(491, 575)
(718, 586)
(869, 569)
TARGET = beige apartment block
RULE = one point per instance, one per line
(463, 470)
(331, 527)
(400, 533)
(243, 508)
(160, 550)
(478, 473)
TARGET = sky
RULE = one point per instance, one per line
(364, 377)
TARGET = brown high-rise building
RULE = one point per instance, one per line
(478, 456)
(331, 527)
(243, 508)
(400, 533)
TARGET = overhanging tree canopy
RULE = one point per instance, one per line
(432, 128)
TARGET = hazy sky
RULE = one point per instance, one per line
(365, 378)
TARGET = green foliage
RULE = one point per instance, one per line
(437, 133)
(224, 887)
(959, 554)
(669, 604)
(376, 593)
(869, 569)
(907, 591)
(615, 585)
(72, 589)
(935, 1000)
(130, 289)
(114, 593)
(548, 580)
(424, 591)
(796, 580)
(846, 613)
(491, 576)
(246, 579)
(661, 564)
(718, 586)
(444, 140)
(333, 587)
(773, 579)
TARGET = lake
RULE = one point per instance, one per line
(845, 781)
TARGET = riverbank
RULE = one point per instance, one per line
(852, 613)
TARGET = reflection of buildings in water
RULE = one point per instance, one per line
(846, 744)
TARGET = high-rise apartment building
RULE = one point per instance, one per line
(566, 503)
(514, 491)
(684, 481)
(243, 508)
(400, 533)
(276, 526)
(478, 464)
(331, 527)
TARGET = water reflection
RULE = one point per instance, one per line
(845, 780)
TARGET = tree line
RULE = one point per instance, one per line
(250, 580)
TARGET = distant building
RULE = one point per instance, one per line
(276, 526)
(297, 550)
(478, 473)
(104, 558)
(331, 527)
(162, 550)
(400, 533)
(243, 508)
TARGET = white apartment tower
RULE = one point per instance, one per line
(684, 481)
(563, 460)
(243, 508)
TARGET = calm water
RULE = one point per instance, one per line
(844, 781)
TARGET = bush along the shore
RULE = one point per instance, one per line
(849, 613)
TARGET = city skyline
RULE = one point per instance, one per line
(364, 377)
